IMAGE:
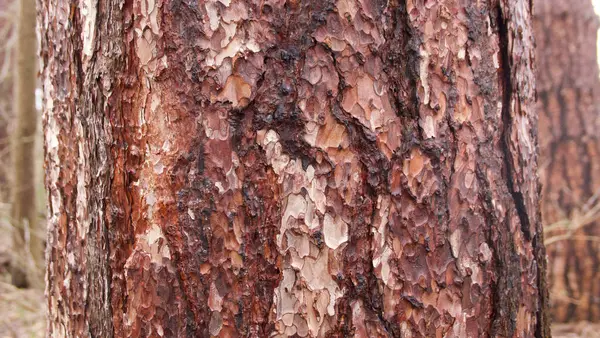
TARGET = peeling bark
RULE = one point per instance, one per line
(322, 168)
(568, 102)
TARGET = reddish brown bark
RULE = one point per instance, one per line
(279, 168)
(568, 91)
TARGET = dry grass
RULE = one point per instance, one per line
(22, 312)
(576, 330)
(567, 229)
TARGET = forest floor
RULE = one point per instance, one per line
(22, 311)
(576, 330)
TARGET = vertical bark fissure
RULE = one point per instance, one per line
(507, 123)
(491, 220)
(509, 286)
(121, 204)
(91, 116)
(365, 148)
(259, 210)
(510, 89)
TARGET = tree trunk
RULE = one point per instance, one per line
(320, 168)
(7, 89)
(569, 97)
(27, 245)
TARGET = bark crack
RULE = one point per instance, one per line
(508, 89)
(507, 120)
(376, 175)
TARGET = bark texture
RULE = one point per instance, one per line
(280, 168)
(28, 250)
(569, 97)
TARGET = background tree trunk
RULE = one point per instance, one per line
(7, 88)
(245, 168)
(569, 97)
(27, 245)
(7, 91)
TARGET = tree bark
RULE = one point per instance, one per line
(28, 249)
(569, 97)
(271, 168)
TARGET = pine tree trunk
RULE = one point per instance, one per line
(569, 97)
(27, 248)
(271, 168)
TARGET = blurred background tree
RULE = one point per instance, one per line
(7, 42)
(568, 105)
(27, 262)
(7, 45)
(22, 315)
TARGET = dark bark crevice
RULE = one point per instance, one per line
(507, 123)
(376, 168)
